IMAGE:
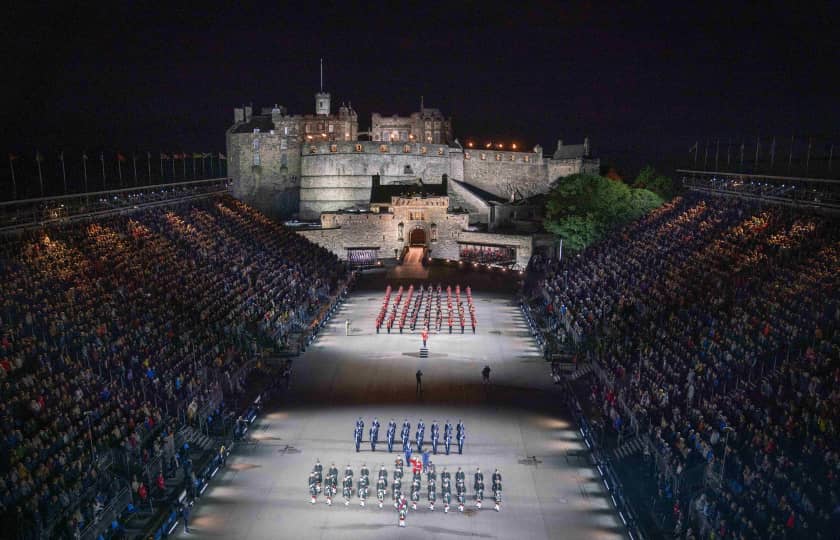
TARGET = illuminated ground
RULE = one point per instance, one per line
(263, 492)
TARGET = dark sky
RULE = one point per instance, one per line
(644, 81)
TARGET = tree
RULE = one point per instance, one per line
(657, 183)
(583, 208)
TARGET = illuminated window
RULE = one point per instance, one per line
(527, 159)
(498, 157)
(440, 151)
(313, 149)
(333, 148)
(422, 149)
(383, 148)
(466, 155)
(483, 156)
(512, 158)
(358, 148)
(407, 148)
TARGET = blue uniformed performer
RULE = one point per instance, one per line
(459, 428)
(461, 438)
(392, 431)
(420, 434)
(447, 428)
(435, 435)
(447, 441)
(358, 439)
(374, 436)
(405, 434)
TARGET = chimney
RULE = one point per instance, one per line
(249, 109)
(238, 115)
(586, 146)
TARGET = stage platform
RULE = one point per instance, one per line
(515, 423)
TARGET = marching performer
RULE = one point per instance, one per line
(415, 493)
(402, 509)
(347, 489)
(313, 488)
(478, 486)
(421, 432)
(435, 436)
(461, 492)
(363, 489)
(432, 494)
(497, 489)
(392, 430)
(446, 493)
(380, 489)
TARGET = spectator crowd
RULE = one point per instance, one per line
(112, 327)
(715, 324)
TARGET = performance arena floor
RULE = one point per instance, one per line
(263, 492)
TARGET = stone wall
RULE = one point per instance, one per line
(369, 229)
(337, 175)
(523, 244)
(500, 172)
(273, 186)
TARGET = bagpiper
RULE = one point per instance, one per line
(402, 509)
(461, 491)
(396, 490)
(435, 436)
(432, 494)
(347, 489)
(363, 483)
(313, 488)
(497, 489)
(446, 493)
(380, 490)
(364, 471)
(332, 483)
(479, 494)
(319, 475)
(415, 493)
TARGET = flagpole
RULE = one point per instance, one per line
(134, 164)
(757, 146)
(40, 176)
(706, 154)
(160, 159)
(184, 160)
(717, 153)
(742, 155)
(728, 151)
(790, 157)
(102, 161)
(63, 171)
(149, 166)
(772, 153)
(830, 156)
(808, 157)
(173, 166)
(119, 167)
(14, 182)
(84, 169)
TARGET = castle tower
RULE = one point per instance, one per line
(322, 99)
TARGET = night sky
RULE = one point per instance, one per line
(642, 81)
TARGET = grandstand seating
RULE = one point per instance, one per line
(117, 332)
(714, 323)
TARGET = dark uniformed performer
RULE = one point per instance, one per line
(402, 509)
(447, 428)
(459, 428)
(313, 489)
(347, 489)
(364, 482)
(479, 494)
(461, 491)
(478, 486)
(374, 437)
(497, 489)
(432, 494)
(421, 432)
(364, 470)
(392, 430)
(446, 493)
(357, 436)
(461, 439)
(415, 493)
(431, 473)
(318, 469)
(332, 483)
(435, 436)
(380, 490)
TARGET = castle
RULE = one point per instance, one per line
(372, 189)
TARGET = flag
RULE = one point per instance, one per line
(197, 155)
(120, 157)
(206, 155)
(164, 156)
(693, 148)
(222, 156)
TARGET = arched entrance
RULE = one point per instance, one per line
(417, 237)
